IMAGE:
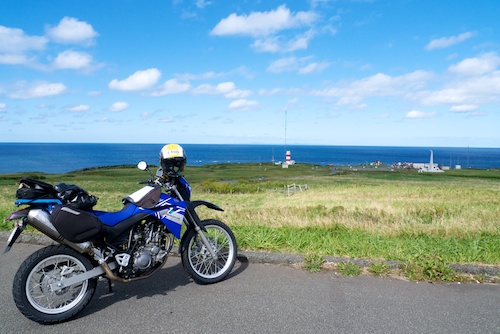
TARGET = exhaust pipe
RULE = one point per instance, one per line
(39, 219)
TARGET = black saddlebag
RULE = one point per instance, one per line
(75, 225)
(75, 196)
(35, 189)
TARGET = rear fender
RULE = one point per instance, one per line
(19, 227)
(19, 214)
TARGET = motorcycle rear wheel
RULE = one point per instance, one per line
(31, 291)
(197, 260)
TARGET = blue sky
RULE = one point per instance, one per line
(340, 72)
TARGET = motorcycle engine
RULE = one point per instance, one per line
(143, 249)
(144, 258)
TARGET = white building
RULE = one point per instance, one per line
(430, 167)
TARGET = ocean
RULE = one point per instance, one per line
(55, 158)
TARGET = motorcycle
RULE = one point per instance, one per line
(56, 282)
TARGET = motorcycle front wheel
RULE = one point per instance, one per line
(33, 295)
(198, 261)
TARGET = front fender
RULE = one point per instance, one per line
(193, 218)
(195, 204)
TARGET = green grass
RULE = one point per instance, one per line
(379, 269)
(343, 242)
(349, 269)
(424, 220)
(313, 262)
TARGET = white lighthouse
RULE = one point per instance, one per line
(288, 159)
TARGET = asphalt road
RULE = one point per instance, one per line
(263, 298)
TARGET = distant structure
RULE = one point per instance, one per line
(288, 160)
(430, 167)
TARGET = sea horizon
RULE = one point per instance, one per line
(48, 157)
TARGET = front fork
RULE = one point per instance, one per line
(195, 221)
(200, 228)
(206, 242)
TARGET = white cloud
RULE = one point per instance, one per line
(464, 108)
(172, 86)
(443, 96)
(3, 107)
(274, 44)
(15, 41)
(202, 3)
(118, 106)
(270, 44)
(294, 64)
(225, 87)
(140, 80)
(383, 116)
(477, 66)
(72, 60)
(242, 104)
(203, 76)
(299, 43)
(379, 84)
(313, 67)
(262, 23)
(419, 114)
(228, 89)
(464, 90)
(78, 108)
(445, 42)
(271, 92)
(238, 94)
(72, 31)
(283, 65)
(15, 59)
(37, 90)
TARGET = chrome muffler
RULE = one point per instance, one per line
(40, 220)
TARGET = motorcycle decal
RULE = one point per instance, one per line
(173, 214)
(166, 200)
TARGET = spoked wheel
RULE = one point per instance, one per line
(198, 261)
(32, 292)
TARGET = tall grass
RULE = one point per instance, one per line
(393, 216)
(453, 216)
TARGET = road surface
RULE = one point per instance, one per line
(263, 298)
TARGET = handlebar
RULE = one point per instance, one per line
(159, 181)
(168, 183)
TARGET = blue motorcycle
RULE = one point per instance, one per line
(56, 282)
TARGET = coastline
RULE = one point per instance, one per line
(59, 158)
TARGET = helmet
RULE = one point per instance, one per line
(172, 158)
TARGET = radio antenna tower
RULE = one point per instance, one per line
(285, 126)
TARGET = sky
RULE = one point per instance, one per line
(311, 72)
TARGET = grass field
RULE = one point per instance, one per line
(420, 219)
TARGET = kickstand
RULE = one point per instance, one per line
(110, 286)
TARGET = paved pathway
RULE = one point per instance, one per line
(263, 298)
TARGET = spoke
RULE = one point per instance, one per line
(201, 260)
(50, 271)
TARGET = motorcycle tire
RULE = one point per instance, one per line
(196, 258)
(32, 294)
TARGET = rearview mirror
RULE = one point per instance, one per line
(142, 165)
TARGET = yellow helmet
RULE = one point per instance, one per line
(172, 158)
